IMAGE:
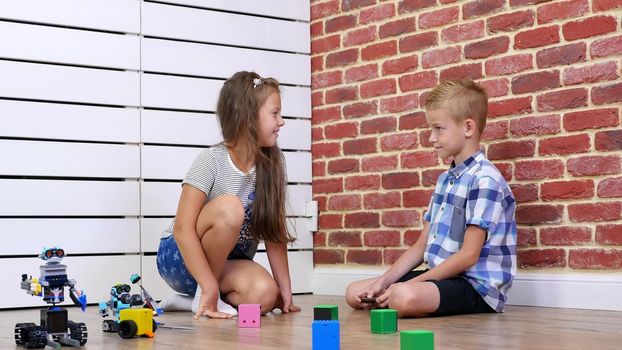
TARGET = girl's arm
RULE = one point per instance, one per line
(277, 257)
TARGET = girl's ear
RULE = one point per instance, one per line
(469, 127)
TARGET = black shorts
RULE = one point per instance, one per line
(457, 296)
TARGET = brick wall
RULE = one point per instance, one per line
(552, 70)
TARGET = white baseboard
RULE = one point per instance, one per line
(575, 291)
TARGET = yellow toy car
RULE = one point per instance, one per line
(136, 322)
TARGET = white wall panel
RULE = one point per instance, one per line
(180, 128)
(222, 62)
(224, 28)
(37, 158)
(70, 84)
(69, 122)
(297, 9)
(296, 134)
(111, 15)
(76, 236)
(298, 166)
(296, 101)
(62, 198)
(61, 45)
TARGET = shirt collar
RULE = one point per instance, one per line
(457, 170)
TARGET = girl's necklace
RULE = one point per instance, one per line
(236, 161)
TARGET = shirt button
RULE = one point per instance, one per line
(442, 208)
(451, 182)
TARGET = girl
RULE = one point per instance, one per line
(232, 197)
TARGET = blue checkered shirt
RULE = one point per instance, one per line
(475, 193)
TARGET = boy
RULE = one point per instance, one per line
(468, 241)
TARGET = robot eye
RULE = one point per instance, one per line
(60, 253)
(49, 253)
(126, 288)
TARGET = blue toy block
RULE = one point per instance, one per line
(325, 335)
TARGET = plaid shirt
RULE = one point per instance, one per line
(475, 193)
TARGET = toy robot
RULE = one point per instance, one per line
(55, 328)
(133, 314)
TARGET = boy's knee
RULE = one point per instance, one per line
(403, 298)
(351, 297)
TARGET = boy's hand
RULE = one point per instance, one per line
(383, 300)
(369, 292)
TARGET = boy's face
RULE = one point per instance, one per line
(448, 136)
(270, 121)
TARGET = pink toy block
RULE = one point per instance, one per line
(249, 316)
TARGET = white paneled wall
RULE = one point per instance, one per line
(103, 106)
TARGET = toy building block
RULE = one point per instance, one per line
(249, 316)
(383, 321)
(326, 312)
(325, 335)
(417, 339)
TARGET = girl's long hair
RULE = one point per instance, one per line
(239, 102)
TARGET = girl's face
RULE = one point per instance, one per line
(270, 120)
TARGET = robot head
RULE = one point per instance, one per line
(53, 254)
(120, 289)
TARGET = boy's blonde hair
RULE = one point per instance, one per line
(463, 98)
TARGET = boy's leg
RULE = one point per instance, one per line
(414, 300)
(246, 282)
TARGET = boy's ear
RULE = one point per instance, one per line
(469, 127)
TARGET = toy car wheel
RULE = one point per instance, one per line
(110, 326)
(155, 326)
(22, 331)
(37, 338)
(78, 331)
(127, 329)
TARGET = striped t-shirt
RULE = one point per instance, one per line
(214, 173)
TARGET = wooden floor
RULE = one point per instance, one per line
(519, 328)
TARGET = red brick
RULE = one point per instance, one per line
(348, 5)
(610, 140)
(321, 202)
(382, 238)
(321, 150)
(365, 72)
(576, 189)
(609, 234)
(406, 6)
(496, 87)
(418, 81)
(538, 214)
(360, 109)
(398, 142)
(607, 94)
(345, 239)
(324, 9)
(341, 130)
(411, 236)
(328, 256)
(378, 125)
(595, 212)
(413, 121)
(473, 71)
(525, 193)
(360, 146)
(317, 98)
(325, 115)
(399, 103)
(317, 63)
(377, 13)
(526, 237)
(322, 80)
(318, 168)
(508, 64)
(430, 176)
(422, 159)
(391, 255)
(487, 48)
(532, 82)
(418, 42)
(564, 99)
(344, 165)
(396, 28)
(606, 47)
(424, 138)
(326, 44)
(604, 5)
(379, 50)
(439, 18)
(515, 3)
(595, 259)
(540, 125)
(380, 87)
(589, 27)
(365, 182)
(505, 169)
(591, 74)
(611, 187)
(362, 220)
(594, 165)
(536, 37)
(364, 257)
(400, 180)
(481, 7)
(338, 24)
(327, 186)
(539, 169)
(400, 65)
(512, 106)
(340, 95)
(511, 149)
(382, 200)
(463, 32)
(591, 119)
(400, 218)
(565, 235)
(561, 55)
(541, 258)
(495, 131)
(565, 144)
(330, 221)
(440, 57)
(380, 163)
(317, 29)
(360, 36)
(319, 239)
(417, 198)
(510, 21)
(562, 10)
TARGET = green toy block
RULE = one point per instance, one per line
(384, 321)
(325, 312)
(418, 339)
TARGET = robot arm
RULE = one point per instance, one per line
(31, 285)
(103, 309)
(149, 301)
(77, 296)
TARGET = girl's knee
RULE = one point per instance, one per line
(263, 291)
(225, 212)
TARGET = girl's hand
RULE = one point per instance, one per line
(286, 304)
(207, 305)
